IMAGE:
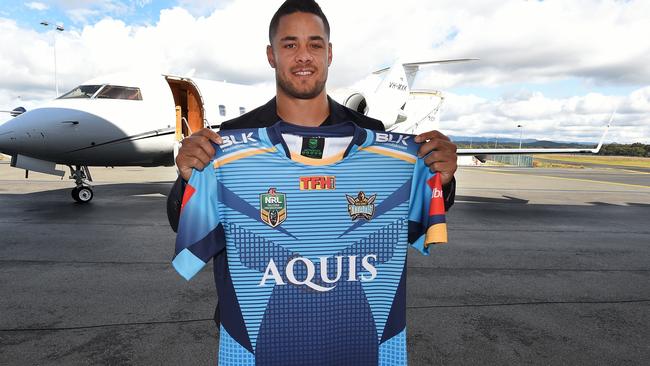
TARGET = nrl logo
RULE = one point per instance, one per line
(273, 207)
(361, 207)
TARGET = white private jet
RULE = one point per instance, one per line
(136, 120)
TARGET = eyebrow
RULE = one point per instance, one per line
(294, 38)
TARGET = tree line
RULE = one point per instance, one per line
(635, 149)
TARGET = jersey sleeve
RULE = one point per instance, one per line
(200, 233)
(427, 223)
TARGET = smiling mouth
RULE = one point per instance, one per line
(303, 72)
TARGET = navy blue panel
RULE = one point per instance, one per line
(437, 219)
(229, 311)
(235, 202)
(415, 231)
(210, 245)
(401, 195)
(306, 327)
(397, 317)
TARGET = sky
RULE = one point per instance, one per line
(557, 68)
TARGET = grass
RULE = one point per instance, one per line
(627, 161)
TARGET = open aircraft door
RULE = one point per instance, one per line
(190, 115)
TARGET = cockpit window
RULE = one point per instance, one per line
(119, 92)
(82, 91)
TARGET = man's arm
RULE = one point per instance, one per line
(441, 158)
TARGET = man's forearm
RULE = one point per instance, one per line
(449, 193)
(174, 202)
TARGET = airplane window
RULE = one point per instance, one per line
(222, 110)
(242, 110)
(82, 91)
(120, 92)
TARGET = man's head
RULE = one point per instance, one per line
(300, 51)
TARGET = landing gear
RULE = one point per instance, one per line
(82, 193)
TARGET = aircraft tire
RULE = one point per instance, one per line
(82, 194)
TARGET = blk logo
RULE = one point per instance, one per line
(392, 139)
(231, 140)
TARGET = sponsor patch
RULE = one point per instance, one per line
(361, 206)
(327, 182)
(273, 207)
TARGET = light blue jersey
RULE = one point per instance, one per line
(309, 229)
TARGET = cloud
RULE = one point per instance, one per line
(595, 42)
(37, 6)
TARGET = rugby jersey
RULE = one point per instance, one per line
(309, 230)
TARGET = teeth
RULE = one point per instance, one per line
(303, 73)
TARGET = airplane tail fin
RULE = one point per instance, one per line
(411, 68)
(418, 64)
(390, 96)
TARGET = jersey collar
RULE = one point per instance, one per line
(343, 129)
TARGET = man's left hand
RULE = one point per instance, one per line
(442, 157)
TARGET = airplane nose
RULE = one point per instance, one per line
(7, 138)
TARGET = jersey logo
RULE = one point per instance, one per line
(318, 183)
(273, 207)
(392, 139)
(230, 140)
(361, 207)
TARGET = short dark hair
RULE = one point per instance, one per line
(295, 6)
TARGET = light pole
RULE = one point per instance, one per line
(521, 134)
(57, 28)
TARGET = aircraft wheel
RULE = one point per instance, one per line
(82, 194)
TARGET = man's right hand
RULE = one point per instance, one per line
(196, 151)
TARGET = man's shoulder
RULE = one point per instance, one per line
(365, 121)
(262, 116)
(359, 119)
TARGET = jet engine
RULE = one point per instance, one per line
(357, 102)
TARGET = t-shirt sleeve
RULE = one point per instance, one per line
(200, 233)
(427, 223)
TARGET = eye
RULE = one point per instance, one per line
(290, 45)
(316, 45)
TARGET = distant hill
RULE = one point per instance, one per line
(510, 142)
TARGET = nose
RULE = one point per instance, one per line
(303, 55)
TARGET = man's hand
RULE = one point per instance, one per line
(196, 151)
(443, 154)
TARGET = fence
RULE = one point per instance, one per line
(516, 160)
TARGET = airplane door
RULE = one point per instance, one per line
(189, 106)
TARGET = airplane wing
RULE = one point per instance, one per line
(415, 65)
(538, 150)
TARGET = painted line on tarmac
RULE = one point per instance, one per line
(587, 302)
(572, 179)
(596, 302)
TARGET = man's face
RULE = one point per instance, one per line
(300, 53)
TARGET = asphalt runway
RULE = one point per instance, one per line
(543, 267)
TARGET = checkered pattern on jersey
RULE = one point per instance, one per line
(316, 328)
(309, 323)
(393, 351)
(232, 353)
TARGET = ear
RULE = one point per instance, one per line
(269, 56)
(329, 54)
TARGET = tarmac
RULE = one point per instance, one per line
(543, 267)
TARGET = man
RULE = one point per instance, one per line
(300, 53)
